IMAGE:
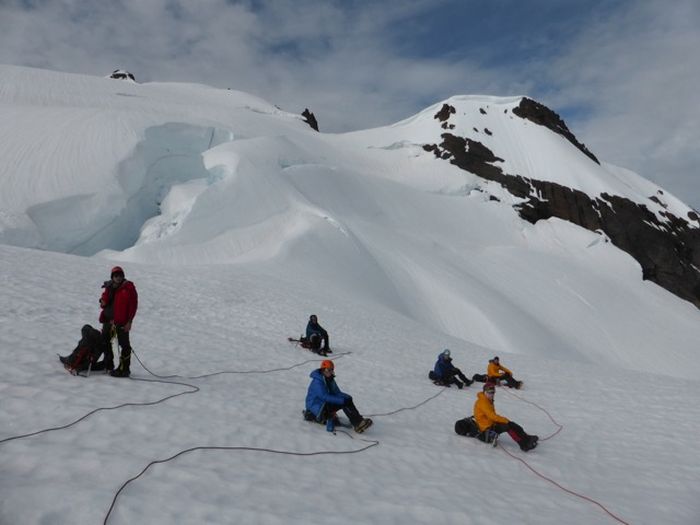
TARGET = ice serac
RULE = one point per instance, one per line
(666, 245)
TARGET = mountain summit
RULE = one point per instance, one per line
(661, 235)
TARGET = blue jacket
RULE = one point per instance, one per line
(315, 328)
(322, 391)
(443, 367)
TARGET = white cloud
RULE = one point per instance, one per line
(637, 72)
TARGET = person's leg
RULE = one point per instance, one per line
(510, 381)
(109, 353)
(351, 411)
(315, 342)
(464, 378)
(522, 438)
(124, 353)
(326, 342)
(450, 379)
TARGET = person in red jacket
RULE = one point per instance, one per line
(119, 302)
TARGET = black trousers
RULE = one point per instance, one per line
(315, 341)
(122, 341)
(348, 408)
(510, 381)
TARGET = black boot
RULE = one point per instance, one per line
(124, 361)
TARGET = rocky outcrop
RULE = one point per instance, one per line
(310, 119)
(542, 115)
(121, 74)
(667, 249)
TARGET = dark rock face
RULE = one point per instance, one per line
(310, 119)
(542, 115)
(668, 251)
(121, 74)
(445, 112)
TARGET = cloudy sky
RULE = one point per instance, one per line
(624, 74)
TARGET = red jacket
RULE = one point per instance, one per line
(124, 303)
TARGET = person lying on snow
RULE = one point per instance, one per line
(90, 348)
(496, 372)
(315, 335)
(445, 373)
(492, 424)
(324, 398)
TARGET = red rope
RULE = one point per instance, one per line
(568, 491)
(543, 410)
(591, 500)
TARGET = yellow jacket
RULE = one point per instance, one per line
(485, 413)
(494, 370)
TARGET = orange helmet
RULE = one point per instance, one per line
(327, 363)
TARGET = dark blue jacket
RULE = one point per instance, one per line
(443, 367)
(322, 391)
(315, 328)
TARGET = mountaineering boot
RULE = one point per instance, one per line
(459, 384)
(363, 425)
(124, 361)
(528, 443)
(63, 359)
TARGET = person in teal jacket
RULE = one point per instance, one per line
(324, 398)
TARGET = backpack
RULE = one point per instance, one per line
(90, 347)
(466, 427)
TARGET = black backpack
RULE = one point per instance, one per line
(90, 347)
(466, 427)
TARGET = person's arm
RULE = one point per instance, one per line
(329, 395)
(492, 415)
(505, 370)
(104, 298)
(133, 306)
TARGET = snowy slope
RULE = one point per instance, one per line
(627, 442)
(236, 221)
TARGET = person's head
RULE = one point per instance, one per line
(489, 390)
(495, 359)
(85, 330)
(327, 367)
(313, 318)
(446, 354)
(117, 274)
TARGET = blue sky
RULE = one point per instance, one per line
(623, 74)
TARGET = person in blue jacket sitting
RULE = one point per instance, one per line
(446, 374)
(315, 335)
(324, 399)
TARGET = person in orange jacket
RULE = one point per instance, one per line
(119, 302)
(496, 372)
(491, 424)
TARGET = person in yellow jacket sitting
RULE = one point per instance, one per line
(496, 372)
(492, 424)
